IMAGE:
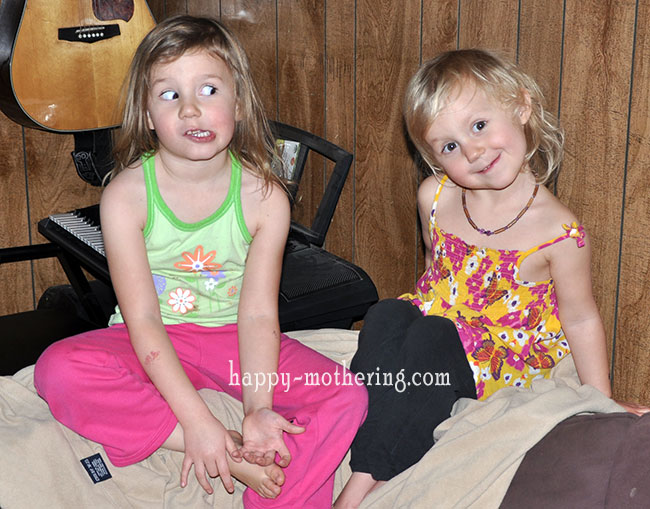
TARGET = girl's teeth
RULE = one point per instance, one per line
(200, 134)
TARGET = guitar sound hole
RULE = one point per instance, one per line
(107, 10)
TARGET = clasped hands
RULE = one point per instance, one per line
(207, 445)
(262, 434)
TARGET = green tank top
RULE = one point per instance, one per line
(197, 268)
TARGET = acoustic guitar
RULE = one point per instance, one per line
(62, 62)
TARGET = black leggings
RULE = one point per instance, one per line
(398, 343)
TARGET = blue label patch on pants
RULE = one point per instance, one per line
(96, 468)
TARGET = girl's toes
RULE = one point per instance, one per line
(271, 490)
(277, 476)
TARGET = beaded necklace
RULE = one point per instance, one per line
(503, 228)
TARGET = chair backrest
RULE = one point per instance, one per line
(297, 144)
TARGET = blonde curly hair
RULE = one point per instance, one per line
(432, 86)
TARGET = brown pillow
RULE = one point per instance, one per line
(599, 460)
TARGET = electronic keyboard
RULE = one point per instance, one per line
(84, 225)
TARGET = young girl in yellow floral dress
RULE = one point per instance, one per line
(506, 293)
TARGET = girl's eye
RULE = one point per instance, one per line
(169, 95)
(449, 147)
(479, 126)
(208, 90)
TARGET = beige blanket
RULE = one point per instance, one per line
(478, 451)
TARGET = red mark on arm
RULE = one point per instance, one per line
(152, 356)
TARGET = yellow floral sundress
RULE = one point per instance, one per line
(509, 328)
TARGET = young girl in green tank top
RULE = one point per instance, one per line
(195, 225)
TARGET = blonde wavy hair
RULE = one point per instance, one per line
(433, 85)
(252, 141)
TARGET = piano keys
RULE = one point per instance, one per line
(82, 227)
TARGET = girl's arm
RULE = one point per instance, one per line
(570, 268)
(259, 329)
(123, 216)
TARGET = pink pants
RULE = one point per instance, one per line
(95, 385)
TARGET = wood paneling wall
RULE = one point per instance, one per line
(339, 68)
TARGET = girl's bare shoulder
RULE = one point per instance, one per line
(429, 184)
(551, 213)
(428, 189)
(551, 219)
(129, 179)
(262, 203)
(255, 189)
(125, 194)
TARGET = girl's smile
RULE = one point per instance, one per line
(489, 166)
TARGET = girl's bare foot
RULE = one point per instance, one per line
(355, 490)
(265, 481)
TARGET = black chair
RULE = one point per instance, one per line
(317, 290)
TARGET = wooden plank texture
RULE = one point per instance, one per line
(632, 347)
(157, 8)
(595, 92)
(210, 8)
(173, 7)
(385, 189)
(540, 46)
(339, 114)
(14, 229)
(490, 24)
(439, 27)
